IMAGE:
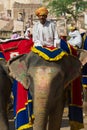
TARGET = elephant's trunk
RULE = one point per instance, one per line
(40, 105)
(41, 94)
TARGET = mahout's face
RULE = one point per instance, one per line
(42, 18)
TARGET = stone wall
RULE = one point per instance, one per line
(26, 10)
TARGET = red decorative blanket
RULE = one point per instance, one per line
(15, 47)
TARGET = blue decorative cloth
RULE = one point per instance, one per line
(1, 55)
(64, 46)
(23, 107)
(49, 53)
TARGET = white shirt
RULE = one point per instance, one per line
(75, 39)
(45, 35)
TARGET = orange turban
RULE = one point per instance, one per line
(41, 11)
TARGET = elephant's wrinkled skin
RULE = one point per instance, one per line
(5, 89)
(46, 81)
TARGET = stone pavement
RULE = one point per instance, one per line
(64, 125)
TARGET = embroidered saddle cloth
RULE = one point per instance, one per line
(49, 53)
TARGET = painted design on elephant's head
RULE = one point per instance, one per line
(43, 75)
(22, 67)
(20, 73)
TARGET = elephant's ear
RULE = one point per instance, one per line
(18, 69)
(82, 55)
(72, 69)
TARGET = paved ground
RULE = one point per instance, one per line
(64, 125)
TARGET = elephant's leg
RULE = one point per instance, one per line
(5, 89)
(4, 122)
(3, 113)
(55, 117)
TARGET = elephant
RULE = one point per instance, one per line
(5, 90)
(47, 81)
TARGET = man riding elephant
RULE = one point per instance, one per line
(75, 37)
(44, 31)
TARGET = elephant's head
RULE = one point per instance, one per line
(69, 66)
